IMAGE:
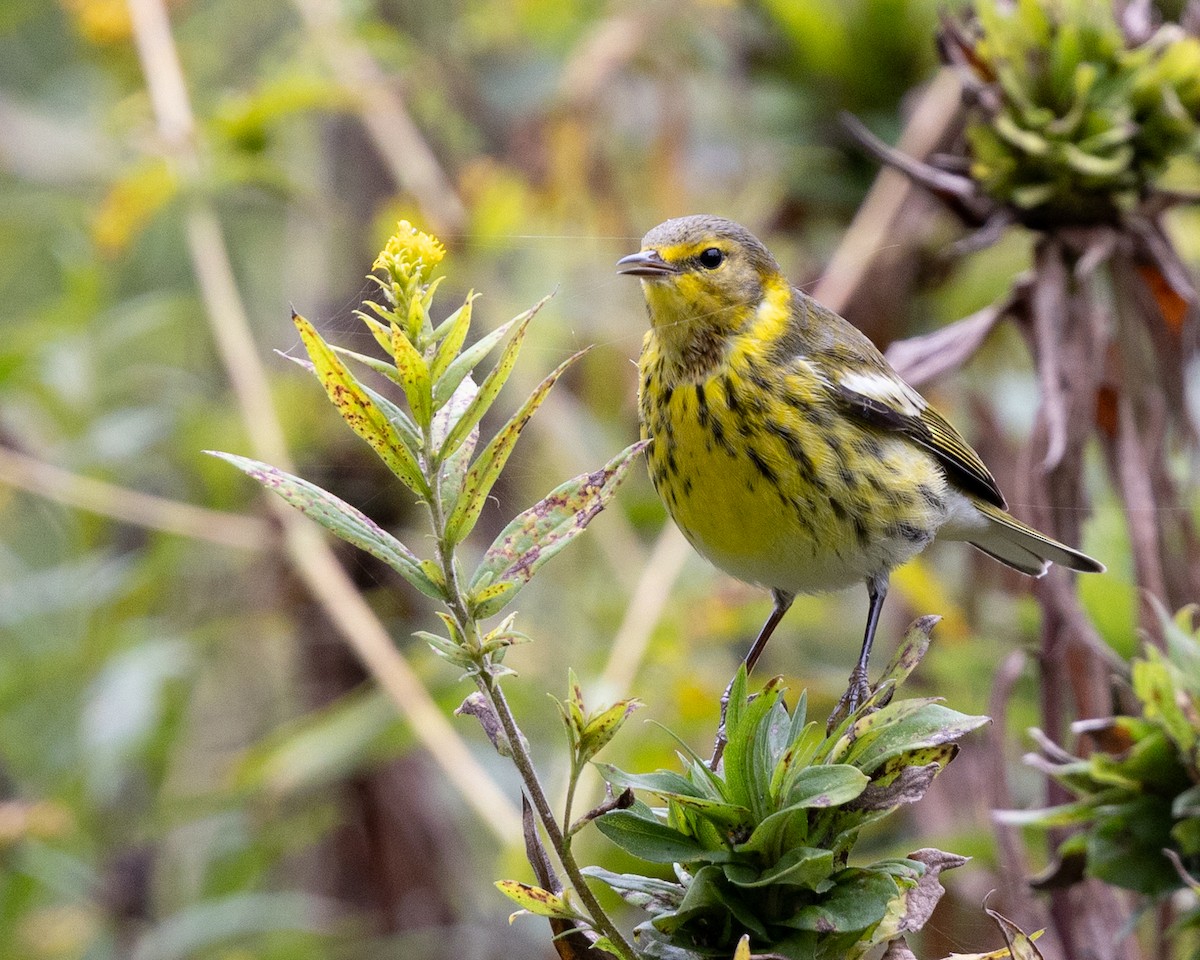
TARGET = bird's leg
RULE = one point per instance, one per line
(858, 689)
(782, 602)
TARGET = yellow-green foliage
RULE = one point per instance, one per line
(1075, 123)
(1140, 807)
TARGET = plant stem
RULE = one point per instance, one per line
(437, 520)
(572, 783)
(524, 764)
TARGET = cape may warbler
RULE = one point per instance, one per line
(786, 448)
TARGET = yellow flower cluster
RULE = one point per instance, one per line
(410, 254)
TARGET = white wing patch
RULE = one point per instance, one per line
(886, 389)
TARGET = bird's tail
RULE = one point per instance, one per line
(1010, 541)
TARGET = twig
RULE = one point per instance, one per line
(307, 549)
(941, 182)
(559, 841)
(240, 531)
(872, 227)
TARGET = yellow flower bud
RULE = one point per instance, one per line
(410, 254)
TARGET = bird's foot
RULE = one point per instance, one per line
(858, 691)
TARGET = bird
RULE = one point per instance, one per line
(786, 448)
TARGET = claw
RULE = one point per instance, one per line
(858, 691)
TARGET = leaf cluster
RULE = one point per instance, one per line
(430, 443)
(1074, 119)
(431, 447)
(1138, 804)
(763, 843)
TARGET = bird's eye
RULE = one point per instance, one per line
(711, 258)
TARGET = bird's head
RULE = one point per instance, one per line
(702, 276)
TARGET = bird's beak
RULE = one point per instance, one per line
(645, 263)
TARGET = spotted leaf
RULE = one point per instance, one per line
(359, 410)
(536, 535)
(344, 521)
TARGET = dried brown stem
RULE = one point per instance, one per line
(940, 182)
(922, 359)
(873, 227)
(1137, 498)
(1049, 314)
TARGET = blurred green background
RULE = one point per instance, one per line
(192, 763)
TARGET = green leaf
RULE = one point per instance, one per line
(486, 469)
(491, 600)
(414, 376)
(929, 726)
(405, 428)
(648, 838)
(342, 520)
(1062, 815)
(858, 901)
(799, 721)
(452, 333)
(603, 726)
(1125, 847)
(798, 867)
(748, 764)
(826, 786)
(466, 361)
(536, 535)
(911, 651)
(382, 332)
(1186, 804)
(452, 472)
(541, 902)
(727, 818)
(737, 700)
(651, 894)
(1032, 195)
(359, 411)
(380, 366)
(664, 783)
(1154, 684)
(449, 651)
(1025, 140)
(1186, 836)
(781, 831)
(492, 383)
(797, 756)
(1096, 166)
(710, 896)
